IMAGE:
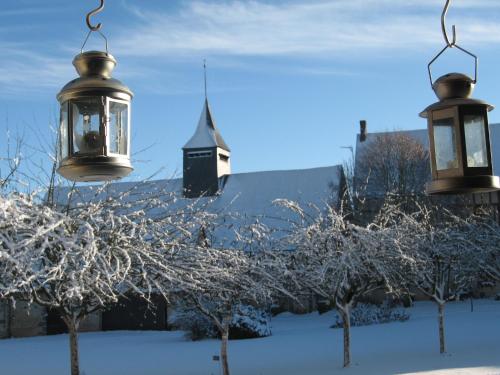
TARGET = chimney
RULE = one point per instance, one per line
(362, 130)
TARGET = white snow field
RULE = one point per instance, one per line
(300, 345)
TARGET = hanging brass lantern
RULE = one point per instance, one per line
(94, 134)
(459, 135)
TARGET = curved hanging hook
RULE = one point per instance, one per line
(96, 28)
(92, 13)
(443, 27)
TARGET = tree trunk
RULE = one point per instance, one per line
(223, 349)
(346, 323)
(442, 348)
(10, 316)
(72, 324)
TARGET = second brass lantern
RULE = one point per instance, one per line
(459, 139)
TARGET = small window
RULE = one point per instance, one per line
(88, 137)
(475, 141)
(63, 140)
(223, 157)
(118, 115)
(445, 144)
(199, 154)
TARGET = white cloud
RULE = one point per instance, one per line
(24, 11)
(309, 31)
(27, 70)
(320, 28)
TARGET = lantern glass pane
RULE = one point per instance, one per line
(118, 127)
(87, 136)
(63, 132)
(445, 144)
(475, 141)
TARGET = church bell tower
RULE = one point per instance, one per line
(206, 158)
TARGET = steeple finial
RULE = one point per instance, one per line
(205, 73)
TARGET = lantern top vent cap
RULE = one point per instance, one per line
(94, 64)
(453, 86)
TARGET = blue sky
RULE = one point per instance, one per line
(288, 80)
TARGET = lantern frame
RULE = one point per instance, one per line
(452, 107)
(95, 82)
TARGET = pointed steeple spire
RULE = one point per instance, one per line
(205, 75)
(206, 135)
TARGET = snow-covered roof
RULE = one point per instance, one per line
(253, 193)
(495, 147)
(206, 134)
(247, 196)
(245, 193)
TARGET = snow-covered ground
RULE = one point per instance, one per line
(300, 345)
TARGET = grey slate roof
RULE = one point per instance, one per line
(206, 135)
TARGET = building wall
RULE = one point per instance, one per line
(55, 325)
(27, 320)
(24, 320)
(91, 323)
(200, 173)
(223, 162)
(134, 313)
(4, 319)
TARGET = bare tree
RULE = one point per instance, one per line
(484, 234)
(77, 263)
(10, 162)
(392, 163)
(342, 261)
(227, 279)
(446, 252)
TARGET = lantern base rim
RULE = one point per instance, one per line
(95, 169)
(463, 185)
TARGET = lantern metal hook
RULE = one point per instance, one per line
(92, 13)
(452, 44)
(443, 27)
